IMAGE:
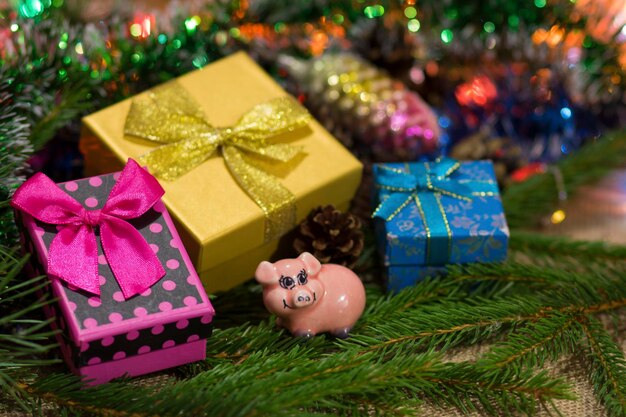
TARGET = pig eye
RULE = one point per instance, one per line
(302, 277)
(286, 282)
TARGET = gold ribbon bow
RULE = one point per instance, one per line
(170, 116)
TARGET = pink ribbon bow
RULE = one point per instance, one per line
(73, 253)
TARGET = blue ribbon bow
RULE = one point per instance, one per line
(424, 184)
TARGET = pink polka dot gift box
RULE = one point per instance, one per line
(129, 299)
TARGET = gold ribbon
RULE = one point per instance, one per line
(170, 116)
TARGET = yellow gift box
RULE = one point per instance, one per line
(222, 228)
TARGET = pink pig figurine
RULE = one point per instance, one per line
(310, 298)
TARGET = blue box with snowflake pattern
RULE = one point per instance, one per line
(470, 228)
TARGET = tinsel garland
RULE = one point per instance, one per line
(577, 65)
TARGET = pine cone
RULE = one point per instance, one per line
(331, 236)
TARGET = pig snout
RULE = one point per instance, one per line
(303, 298)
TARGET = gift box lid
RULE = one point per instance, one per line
(207, 202)
(473, 229)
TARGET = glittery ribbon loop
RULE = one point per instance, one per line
(424, 184)
(73, 253)
(170, 116)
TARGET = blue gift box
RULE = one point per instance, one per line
(437, 213)
(402, 276)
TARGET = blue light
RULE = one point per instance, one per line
(564, 149)
(444, 122)
(566, 112)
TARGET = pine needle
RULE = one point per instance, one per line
(607, 367)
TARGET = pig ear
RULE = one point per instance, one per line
(266, 273)
(311, 263)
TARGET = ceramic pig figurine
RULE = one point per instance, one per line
(310, 298)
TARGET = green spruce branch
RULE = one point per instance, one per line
(389, 363)
(297, 380)
(387, 367)
(72, 103)
(545, 339)
(607, 368)
(450, 324)
(24, 336)
(527, 202)
(533, 243)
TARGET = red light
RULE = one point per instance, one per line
(480, 91)
(142, 25)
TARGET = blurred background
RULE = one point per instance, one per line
(525, 83)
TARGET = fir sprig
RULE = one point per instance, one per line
(389, 364)
(24, 338)
(607, 367)
(542, 340)
(525, 203)
(297, 380)
(536, 244)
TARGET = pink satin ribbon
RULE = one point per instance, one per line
(73, 253)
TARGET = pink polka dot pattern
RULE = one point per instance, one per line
(84, 346)
(116, 176)
(155, 248)
(91, 202)
(165, 306)
(191, 280)
(94, 301)
(172, 264)
(160, 336)
(102, 260)
(146, 293)
(107, 341)
(118, 296)
(132, 335)
(39, 231)
(206, 319)
(169, 285)
(95, 181)
(140, 312)
(156, 228)
(174, 243)
(71, 305)
(71, 186)
(90, 323)
(94, 361)
(102, 280)
(115, 317)
(190, 301)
